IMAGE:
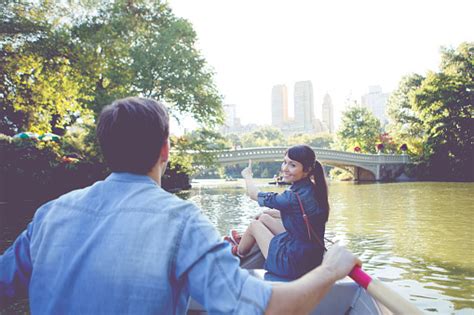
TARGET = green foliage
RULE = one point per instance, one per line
(53, 86)
(445, 103)
(434, 116)
(141, 48)
(41, 89)
(234, 140)
(320, 140)
(32, 169)
(61, 61)
(203, 142)
(359, 127)
(80, 139)
(263, 137)
(337, 173)
(405, 124)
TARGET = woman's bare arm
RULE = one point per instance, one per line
(252, 190)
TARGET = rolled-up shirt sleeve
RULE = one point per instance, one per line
(214, 277)
(273, 200)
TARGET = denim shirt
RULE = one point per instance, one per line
(124, 245)
(290, 210)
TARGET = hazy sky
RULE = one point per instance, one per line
(341, 46)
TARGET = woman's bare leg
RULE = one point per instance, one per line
(273, 224)
(256, 232)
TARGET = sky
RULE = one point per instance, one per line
(342, 46)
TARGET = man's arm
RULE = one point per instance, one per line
(15, 269)
(301, 296)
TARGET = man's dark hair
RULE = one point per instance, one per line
(131, 133)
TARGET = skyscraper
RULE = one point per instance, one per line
(328, 113)
(279, 105)
(304, 105)
(230, 115)
(231, 121)
(376, 102)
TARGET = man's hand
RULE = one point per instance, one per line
(339, 261)
(247, 172)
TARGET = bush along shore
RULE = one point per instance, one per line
(41, 170)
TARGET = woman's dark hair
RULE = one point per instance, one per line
(131, 133)
(305, 155)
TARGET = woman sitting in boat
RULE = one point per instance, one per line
(291, 235)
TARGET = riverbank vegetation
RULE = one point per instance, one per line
(434, 115)
(62, 62)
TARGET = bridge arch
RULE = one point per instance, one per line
(365, 166)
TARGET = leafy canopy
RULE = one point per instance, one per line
(63, 61)
(359, 128)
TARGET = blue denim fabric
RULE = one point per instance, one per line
(124, 245)
(291, 253)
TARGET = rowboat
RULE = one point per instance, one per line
(345, 297)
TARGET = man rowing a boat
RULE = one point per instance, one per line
(124, 245)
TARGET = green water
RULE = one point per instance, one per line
(417, 237)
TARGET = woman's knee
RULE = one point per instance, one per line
(255, 224)
(265, 218)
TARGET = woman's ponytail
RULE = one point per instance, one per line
(321, 187)
(306, 156)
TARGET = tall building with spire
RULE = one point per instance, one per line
(304, 105)
(279, 105)
(328, 113)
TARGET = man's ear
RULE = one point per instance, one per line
(165, 151)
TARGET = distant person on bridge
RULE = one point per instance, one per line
(124, 245)
(291, 234)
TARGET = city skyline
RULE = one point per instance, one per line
(343, 47)
(307, 117)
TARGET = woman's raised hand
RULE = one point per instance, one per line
(247, 172)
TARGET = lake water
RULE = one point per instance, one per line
(416, 237)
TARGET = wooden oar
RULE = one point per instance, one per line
(388, 297)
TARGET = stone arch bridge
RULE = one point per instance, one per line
(364, 167)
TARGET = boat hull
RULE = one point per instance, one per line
(345, 297)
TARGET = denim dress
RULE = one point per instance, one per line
(291, 254)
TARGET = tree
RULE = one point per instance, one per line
(46, 94)
(360, 128)
(405, 125)
(320, 140)
(445, 104)
(60, 61)
(40, 89)
(140, 48)
(234, 140)
(203, 142)
(263, 137)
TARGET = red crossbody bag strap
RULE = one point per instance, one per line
(306, 221)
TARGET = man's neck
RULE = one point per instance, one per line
(157, 171)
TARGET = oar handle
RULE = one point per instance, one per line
(391, 299)
(360, 277)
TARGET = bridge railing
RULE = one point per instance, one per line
(275, 153)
